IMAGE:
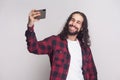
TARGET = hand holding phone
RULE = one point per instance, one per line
(36, 15)
(42, 14)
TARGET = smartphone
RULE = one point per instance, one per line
(43, 14)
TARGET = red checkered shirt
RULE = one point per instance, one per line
(57, 50)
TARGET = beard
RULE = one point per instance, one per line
(72, 33)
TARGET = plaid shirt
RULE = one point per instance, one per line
(57, 50)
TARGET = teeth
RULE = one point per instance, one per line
(73, 27)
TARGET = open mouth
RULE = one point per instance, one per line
(73, 28)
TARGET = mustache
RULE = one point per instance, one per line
(73, 26)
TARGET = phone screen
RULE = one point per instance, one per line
(43, 14)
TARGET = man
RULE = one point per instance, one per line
(69, 51)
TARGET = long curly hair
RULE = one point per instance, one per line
(83, 34)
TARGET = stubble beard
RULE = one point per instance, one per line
(72, 33)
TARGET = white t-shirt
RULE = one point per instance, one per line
(75, 71)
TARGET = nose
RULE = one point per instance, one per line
(74, 23)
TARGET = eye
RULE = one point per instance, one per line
(78, 22)
(72, 19)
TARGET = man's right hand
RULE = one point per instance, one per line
(31, 18)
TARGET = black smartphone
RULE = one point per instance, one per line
(43, 14)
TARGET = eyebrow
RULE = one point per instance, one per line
(77, 20)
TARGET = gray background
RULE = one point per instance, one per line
(16, 63)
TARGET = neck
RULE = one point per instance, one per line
(73, 38)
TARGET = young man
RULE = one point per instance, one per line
(69, 51)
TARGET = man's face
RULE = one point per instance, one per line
(75, 24)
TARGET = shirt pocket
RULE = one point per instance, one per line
(59, 58)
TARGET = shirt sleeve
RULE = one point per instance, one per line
(34, 46)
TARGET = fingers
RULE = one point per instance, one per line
(34, 13)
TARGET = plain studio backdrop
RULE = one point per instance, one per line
(16, 63)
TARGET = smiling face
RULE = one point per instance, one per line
(75, 24)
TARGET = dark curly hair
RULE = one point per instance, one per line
(83, 34)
